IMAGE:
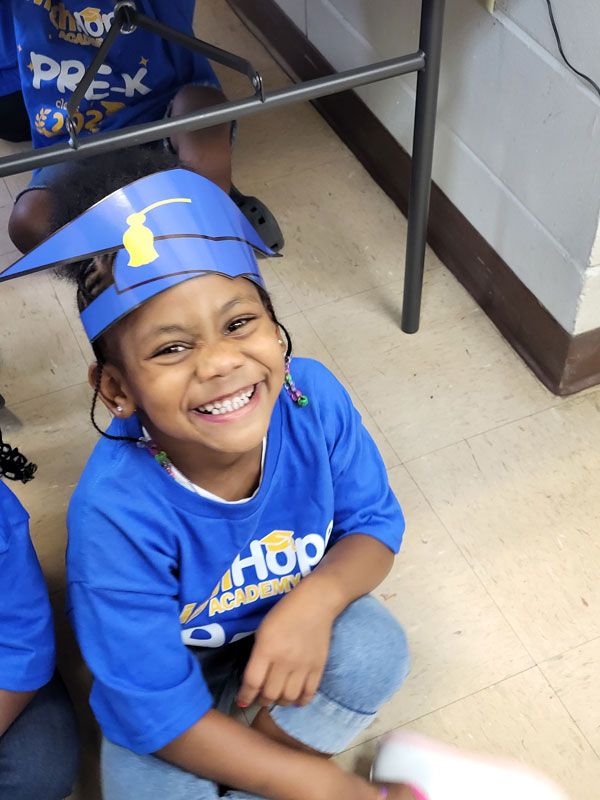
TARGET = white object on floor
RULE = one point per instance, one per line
(444, 773)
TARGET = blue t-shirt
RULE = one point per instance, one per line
(26, 626)
(10, 80)
(153, 567)
(56, 41)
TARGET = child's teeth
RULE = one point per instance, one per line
(226, 406)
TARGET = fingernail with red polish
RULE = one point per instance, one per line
(241, 705)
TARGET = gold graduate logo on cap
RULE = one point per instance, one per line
(138, 240)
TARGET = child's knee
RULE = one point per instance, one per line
(193, 97)
(369, 657)
(29, 222)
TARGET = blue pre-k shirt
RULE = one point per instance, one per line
(155, 570)
(26, 627)
(56, 41)
(9, 71)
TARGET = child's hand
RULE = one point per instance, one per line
(290, 652)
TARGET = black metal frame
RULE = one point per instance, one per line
(426, 62)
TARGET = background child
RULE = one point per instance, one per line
(39, 745)
(143, 79)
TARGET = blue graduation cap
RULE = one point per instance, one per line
(165, 228)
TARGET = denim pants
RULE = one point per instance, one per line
(368, 661)
(39, 752)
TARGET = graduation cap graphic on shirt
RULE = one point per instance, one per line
(164, 229)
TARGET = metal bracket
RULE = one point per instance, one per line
(127, 18)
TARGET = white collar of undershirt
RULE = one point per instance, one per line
(193, 487)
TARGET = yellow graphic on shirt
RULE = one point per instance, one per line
(279, 540)
(51, 121)
(86, 27)
(273, 566)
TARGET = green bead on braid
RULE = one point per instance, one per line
(290, 387)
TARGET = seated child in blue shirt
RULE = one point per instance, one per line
(39, 746)
(230, 525)
(143, 79)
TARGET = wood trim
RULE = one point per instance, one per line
(564, 363)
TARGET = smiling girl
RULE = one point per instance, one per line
(229, 525)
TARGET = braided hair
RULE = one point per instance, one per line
(13, 464)
(97, 177)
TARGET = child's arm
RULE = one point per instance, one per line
(292, 642)
(11, 705)
(221, 749)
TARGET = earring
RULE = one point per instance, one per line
(290, 386)
(119, 409)
(279, 341)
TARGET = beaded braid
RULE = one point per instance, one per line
(13, 464)
(288, 382)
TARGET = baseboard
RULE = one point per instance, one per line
(564, 363)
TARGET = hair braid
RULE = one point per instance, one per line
(13, 464)
(99, 369)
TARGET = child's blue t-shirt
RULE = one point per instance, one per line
(153, 567)
(56, 42)
(26, 626)
(10, 80)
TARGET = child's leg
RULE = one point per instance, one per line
(368, 661)
(208, 150)
(29, 222)
(39, 753)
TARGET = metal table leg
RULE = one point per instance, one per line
(432, 22)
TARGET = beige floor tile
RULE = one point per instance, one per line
(38, 352)
(307, 344)
(66, 293)
(452, 380)
(355, 328)
(574, 677)
(55, 432)
(283, 302)
(519, 718)
(522, 503)
(10, 148)
(5, 195)
(280, 145)
(459, 640)
(215, 22)
(8, 252)
(14, 183)
(333, 247)
(18, 182)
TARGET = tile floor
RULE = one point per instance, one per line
(497, 583)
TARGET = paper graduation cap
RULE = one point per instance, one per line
(165, 229)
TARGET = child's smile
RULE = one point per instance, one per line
(230, 407)
(203, 364)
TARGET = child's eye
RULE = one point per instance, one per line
(169, 350)
(236, 324)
